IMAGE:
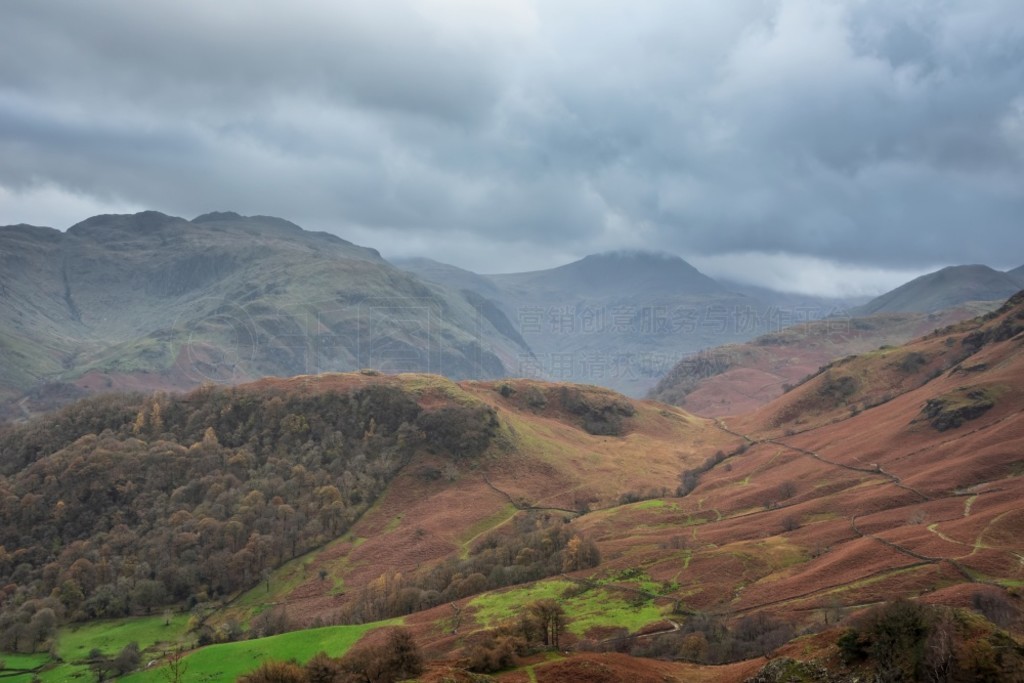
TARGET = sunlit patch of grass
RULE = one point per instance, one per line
(604, 608)
(491, 609)
(110, 636)
(74, 643)
(227, 661)
(651, 504)
(599, 607)
(14, 663)
(425, 384)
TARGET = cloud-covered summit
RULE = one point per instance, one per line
(508, 135)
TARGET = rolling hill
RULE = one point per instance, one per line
(738, 378)
(946, 288)
(894, 473)
(150, 301)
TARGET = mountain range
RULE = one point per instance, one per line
(153, 301)
(150, 301)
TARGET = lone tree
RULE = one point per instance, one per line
(550, 619)
(176, 667)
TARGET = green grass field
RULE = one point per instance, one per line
(222, 662)
(592, 609)
(74, 643)
(109, 637)
(13, 663)
(227, 661)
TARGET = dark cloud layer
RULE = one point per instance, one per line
(861, 137)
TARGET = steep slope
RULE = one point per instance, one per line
(1018, 275)
(944, 289)
(891, 474)
(149, 301)
(452, 277)
(738, 378)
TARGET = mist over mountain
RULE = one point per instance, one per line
(814, 306)
(622, 319)
(943, 289)
(146, 301)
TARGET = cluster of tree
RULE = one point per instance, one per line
(705, 639)
(905, 641)
(119, 505)
(690, 479)
(686, 375)
(602, 413)
(463, 430)
(398, 659)
(24, 626)
(534, 546)
(112, 668)
(539, 626)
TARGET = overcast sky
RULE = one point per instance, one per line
(803, 144)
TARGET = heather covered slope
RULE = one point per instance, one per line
(558, 451)
(209, 492)
(790, 523)
(150, 301)
(739, 378)
(892, 474)
(904, 463)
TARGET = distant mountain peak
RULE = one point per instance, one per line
(143, 222)
(624, 272)
(215, 216)
(945, 288)
(645, 268)
(634, 255)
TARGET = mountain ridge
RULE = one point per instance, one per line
(113, 301)
(123, 299)
(944, 288)
(739, 378)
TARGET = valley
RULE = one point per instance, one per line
(675, 545)
(511, 341)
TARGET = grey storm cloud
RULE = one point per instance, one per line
(870, 133)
